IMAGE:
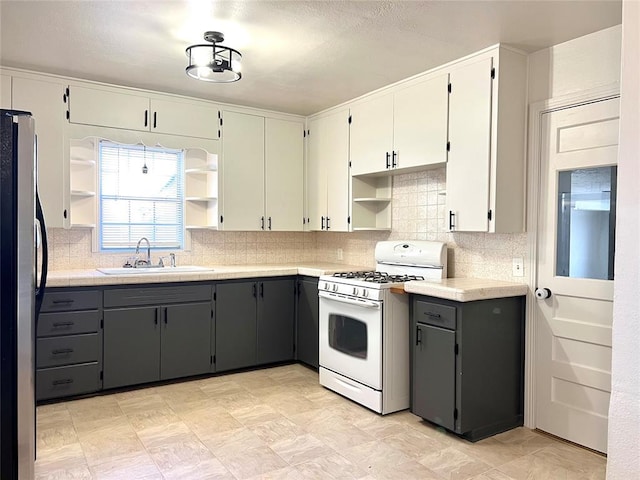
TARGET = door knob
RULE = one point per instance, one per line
(543, 293)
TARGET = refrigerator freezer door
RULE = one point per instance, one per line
(17, 328)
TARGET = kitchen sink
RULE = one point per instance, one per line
(153, 270)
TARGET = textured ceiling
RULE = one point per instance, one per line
(298, 56)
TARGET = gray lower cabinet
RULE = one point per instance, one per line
(167, 339)
(276, 320)
(254, 323)
(307, 321)
(69, 344)
(467, 368)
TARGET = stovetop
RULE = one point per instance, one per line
(377, 277)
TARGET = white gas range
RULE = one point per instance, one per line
(364, 325)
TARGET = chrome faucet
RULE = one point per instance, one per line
(148, 261)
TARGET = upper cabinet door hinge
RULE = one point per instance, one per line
(349, 220)
(448, 146)
(490, 215)
(65, 95)
(449, 87)
(221, 219)
(349, 119)
(493, 72)
(304, 133)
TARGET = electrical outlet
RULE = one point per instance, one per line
(518, 267)
(339, 254)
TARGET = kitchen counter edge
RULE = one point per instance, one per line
(466, 289)
(91, 277)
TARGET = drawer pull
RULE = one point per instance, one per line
(63, 324)
(65, 381)
(63, 302)
(62, 351)
(433, 315)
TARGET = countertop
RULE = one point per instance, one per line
(458, 289)
(466, 289)
(92, 277)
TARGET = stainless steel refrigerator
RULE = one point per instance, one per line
(22, 280)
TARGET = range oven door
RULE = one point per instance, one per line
(351, 338)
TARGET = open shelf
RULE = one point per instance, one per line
(83, 181)
(371, 203)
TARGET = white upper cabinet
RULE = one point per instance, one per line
(284, 175)
(5, 91)
(328, 172)
(371, 135)
(420, 115)
(44, 100)
(90, 106)
(186, 119)
(401, 131)
(135, 111)
(242, 172)
(485, 168)
(262, 173)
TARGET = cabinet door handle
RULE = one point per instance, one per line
(418, 335)
(62, 382)
(62, 324)
(262, 223)
(67, 301)
(261, 290)
(62, 351)
(388, 159)
(394, 162)
(155, 320)
(166, 315)
(328, 227)
(146, 118)
(433, 315)
(155, 117)
(321, 223)
(255, 291)
(451, 217)
(269, 223)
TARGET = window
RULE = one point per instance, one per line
(141, 195)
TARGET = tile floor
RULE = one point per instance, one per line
(277, 423)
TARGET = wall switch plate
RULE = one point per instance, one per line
(339, 254)
(518, 267)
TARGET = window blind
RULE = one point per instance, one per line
(134, 204)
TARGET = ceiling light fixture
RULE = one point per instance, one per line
(213, 62)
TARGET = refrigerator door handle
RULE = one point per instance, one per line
(45, 257)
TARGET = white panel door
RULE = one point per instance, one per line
(183, 118)
(335, 148)
(576, 245)
(44, 100)
(242, 172)
(284, 161)
(372, 135)
(92, 106)
(316, 174)
(468, 162)
(420, 123)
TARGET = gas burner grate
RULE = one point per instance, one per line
(377, 277)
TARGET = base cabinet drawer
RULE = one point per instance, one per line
(67, 350)
(68, 323)
(66, 381)
(64, 301)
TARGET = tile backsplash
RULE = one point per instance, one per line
(418, 213)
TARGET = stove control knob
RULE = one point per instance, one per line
(355, 291)
(365, 292)
(335, 287)
(326, 286)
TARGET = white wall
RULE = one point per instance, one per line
(624, 411)
(585, 63)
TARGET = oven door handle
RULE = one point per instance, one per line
(350, 300)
